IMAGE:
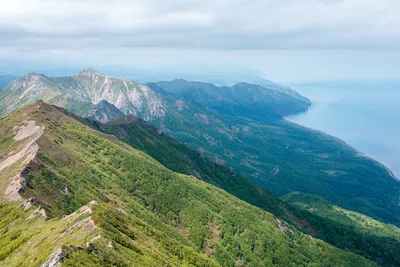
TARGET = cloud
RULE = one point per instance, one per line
(287, 40)
(205, 24)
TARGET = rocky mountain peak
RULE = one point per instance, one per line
(104, 103)
(104, 112)
(88, 72)
(33, 77)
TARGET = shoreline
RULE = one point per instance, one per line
(382, 164)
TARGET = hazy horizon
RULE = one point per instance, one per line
(287, 42)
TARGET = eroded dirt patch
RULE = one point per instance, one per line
(28, 129)
(26, 154)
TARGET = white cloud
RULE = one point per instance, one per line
(286, 39)
(224, 24)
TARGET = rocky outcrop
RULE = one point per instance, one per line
(104, 112)
(82, 210)
(88, 244)
(38, 212)
(58, 256)
(283, 228)
(112, 245)
(87, 224)
(128, 96)
(55, 258)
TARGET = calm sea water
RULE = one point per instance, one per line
(366, 118)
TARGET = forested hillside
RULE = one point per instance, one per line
(278, 155)
(177, 157)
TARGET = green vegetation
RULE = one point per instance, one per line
(345, 218)
(280, 156)
(153, 216)
(242, 99)
(180, 158)
(30, 242)
(345, 229)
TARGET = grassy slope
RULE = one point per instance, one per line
(178, 157)
(152, 214)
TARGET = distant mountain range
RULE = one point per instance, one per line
(87, 88)
(80, 92)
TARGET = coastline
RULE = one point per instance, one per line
(380, 163)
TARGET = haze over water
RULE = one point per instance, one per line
(366, 117)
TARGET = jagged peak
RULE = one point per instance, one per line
(34, 76)
(88, 72)
(105, 104)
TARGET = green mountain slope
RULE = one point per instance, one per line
(283, 157)
(242, 99)
(378, 238)
(139, 213)
(321, 207)
(179, 158)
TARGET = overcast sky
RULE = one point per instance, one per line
(287, 40)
